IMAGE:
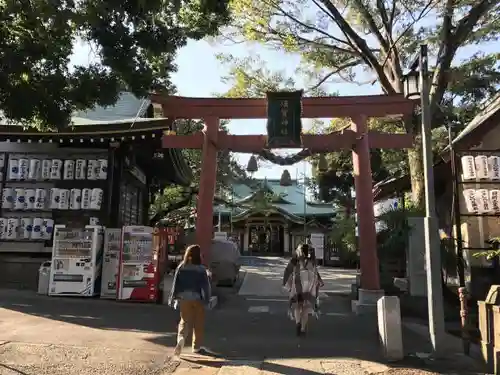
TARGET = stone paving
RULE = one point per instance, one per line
(264, 278)
(56, 336)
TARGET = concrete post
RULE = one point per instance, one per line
(286, 240)
(246, 238)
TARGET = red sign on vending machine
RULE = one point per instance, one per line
(138, 273)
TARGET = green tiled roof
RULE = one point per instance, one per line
(129, 113)
(127, 108)
(292, 199)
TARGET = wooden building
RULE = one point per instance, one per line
(269, 219)
(480, 138)
(126, 165)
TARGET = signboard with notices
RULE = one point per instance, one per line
(284, 123)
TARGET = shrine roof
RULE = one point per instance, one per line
(123, 122)
(128, 117)
(484, 121)
(289, 199)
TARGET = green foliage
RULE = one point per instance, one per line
(393, 238)
(179, 202)
(378, 38)
(136, 42)
(490, 254)
(337, 183)
(344, 231)
(367, 42)
(250, 78)
(343, 237)
(228, 170)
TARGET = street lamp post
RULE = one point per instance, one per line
(417, 83)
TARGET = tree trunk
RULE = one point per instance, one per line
(416, 164)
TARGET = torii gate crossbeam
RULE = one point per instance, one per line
(357, 138)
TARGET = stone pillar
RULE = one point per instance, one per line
(286, 240)
(370, 278)
(246, 238)
(204, 219)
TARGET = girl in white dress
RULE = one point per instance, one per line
(302, 280)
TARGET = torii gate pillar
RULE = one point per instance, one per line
(365, 218)
(206, 192)
(358, 139)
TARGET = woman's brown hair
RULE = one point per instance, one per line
(192, 255)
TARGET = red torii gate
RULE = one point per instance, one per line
(357, 138)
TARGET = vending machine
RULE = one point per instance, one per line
(111, 262)
(138, 276)
(76, 261)
(175, 238)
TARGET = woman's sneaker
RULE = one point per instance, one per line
(204, 351)
(298, 329)
(179, 347)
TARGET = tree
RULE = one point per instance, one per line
(136, 42)
(249, 77)
(178, 203)
(337, 182)
(363, 42)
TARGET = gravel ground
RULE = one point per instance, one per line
(41, 359)
(408, 371)
(312, 366)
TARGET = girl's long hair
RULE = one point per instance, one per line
(302, 251)
(305, 255)
(192, 255)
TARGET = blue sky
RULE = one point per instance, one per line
(194, 79)
(199, 75)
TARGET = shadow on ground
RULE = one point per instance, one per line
(234, 334)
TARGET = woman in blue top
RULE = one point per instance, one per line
(191, 291)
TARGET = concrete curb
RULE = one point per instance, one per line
(241, 277)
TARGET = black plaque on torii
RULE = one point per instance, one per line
(284, 119)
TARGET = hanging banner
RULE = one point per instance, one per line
(284, 123)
